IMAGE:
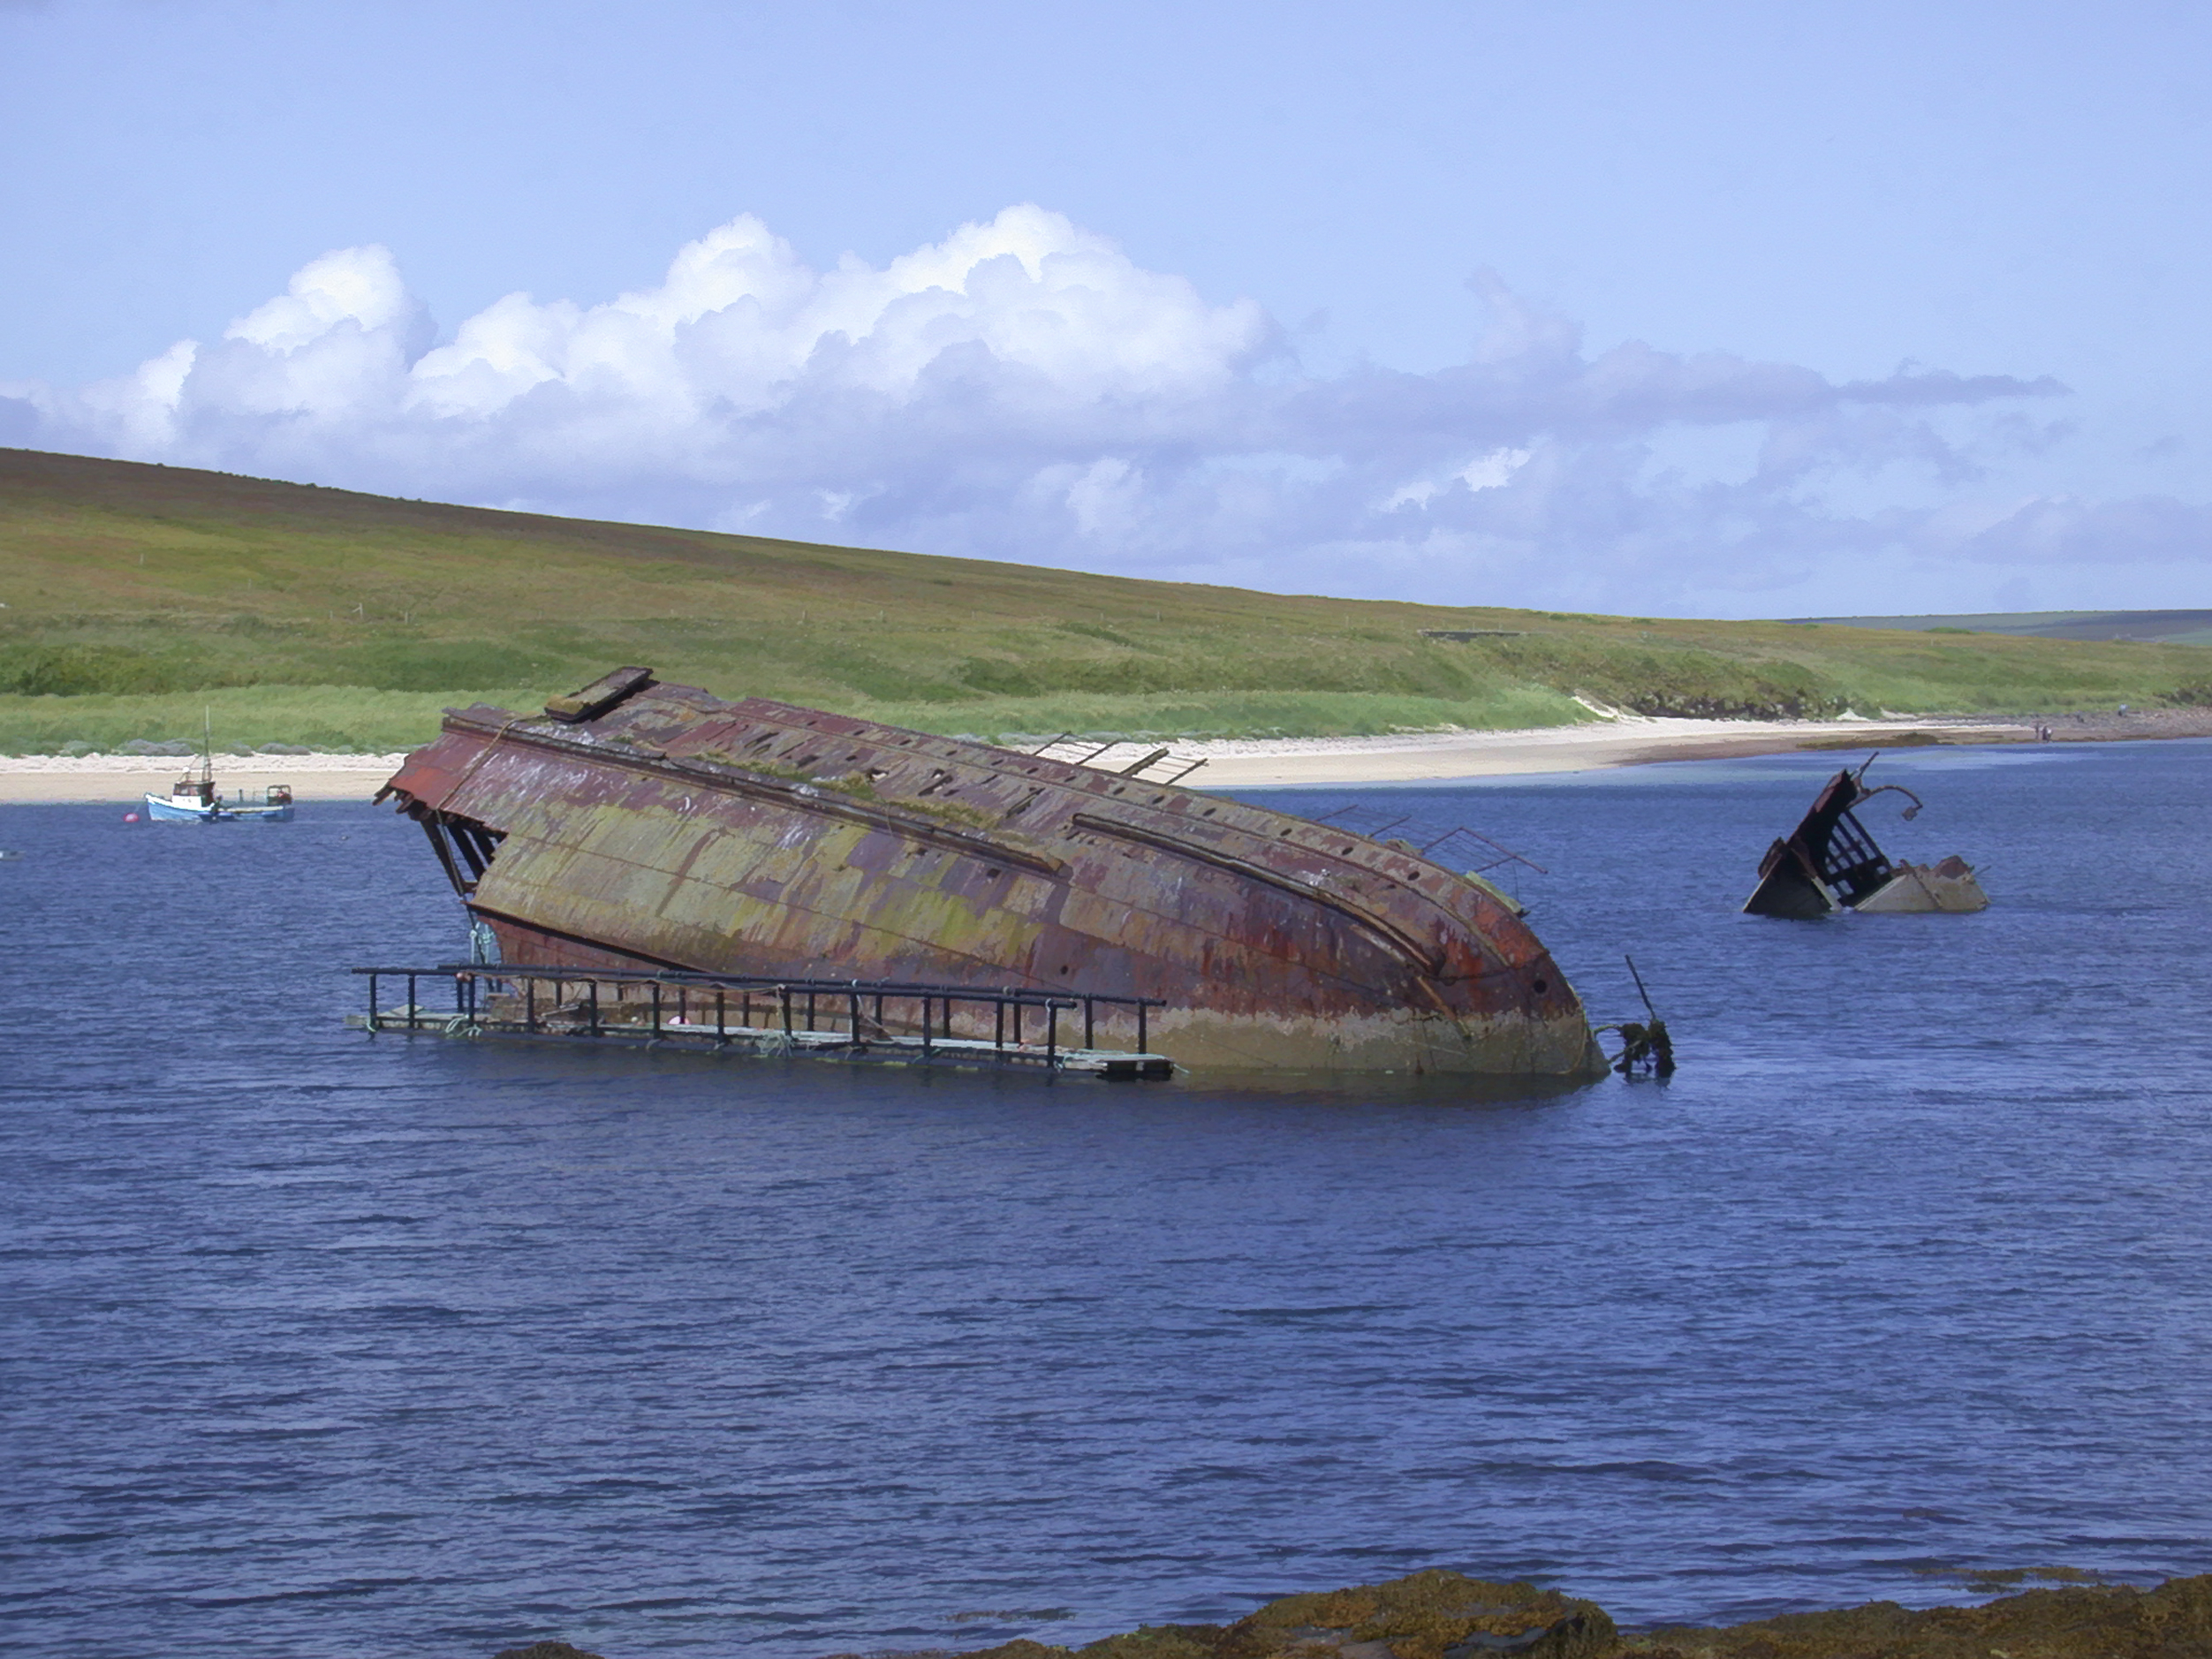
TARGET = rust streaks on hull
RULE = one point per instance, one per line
(1314, 887)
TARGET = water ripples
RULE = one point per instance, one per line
(317, 1344)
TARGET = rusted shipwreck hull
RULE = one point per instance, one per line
(1830, 863)
(638, 824)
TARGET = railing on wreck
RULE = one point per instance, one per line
(912, 1018)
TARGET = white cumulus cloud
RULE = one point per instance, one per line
(1023, 389)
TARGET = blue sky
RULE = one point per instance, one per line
(1725, 309)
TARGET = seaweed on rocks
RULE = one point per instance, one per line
(2104, 1621)
(1431, 1614)
(1443, 1615)
(1435, 1614)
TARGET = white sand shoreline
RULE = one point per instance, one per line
(1231, 763)
(55, 778)
(1426, 757)
(1627, 740)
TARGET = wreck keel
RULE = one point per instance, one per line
(639, 825)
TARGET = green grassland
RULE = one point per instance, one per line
(2163, 627)
(137, 596)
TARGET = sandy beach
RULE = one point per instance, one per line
(1441, 757)
(1624, 740)
(1231, 763)
(127, 778)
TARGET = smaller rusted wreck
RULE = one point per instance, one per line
(1830, 863)
(641, 826)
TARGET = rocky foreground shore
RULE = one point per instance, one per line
(1441, 1615)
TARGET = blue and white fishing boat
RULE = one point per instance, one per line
(196, 799)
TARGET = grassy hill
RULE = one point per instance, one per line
(135, 596)
(2163, 627)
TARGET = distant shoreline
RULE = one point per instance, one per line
(1230, 762)
(58, 779)
(1627, 740)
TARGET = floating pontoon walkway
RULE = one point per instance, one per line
(836, 1019)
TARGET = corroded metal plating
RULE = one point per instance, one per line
(1830, 863)
(677, 830)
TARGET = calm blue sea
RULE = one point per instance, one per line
(320, 1345)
